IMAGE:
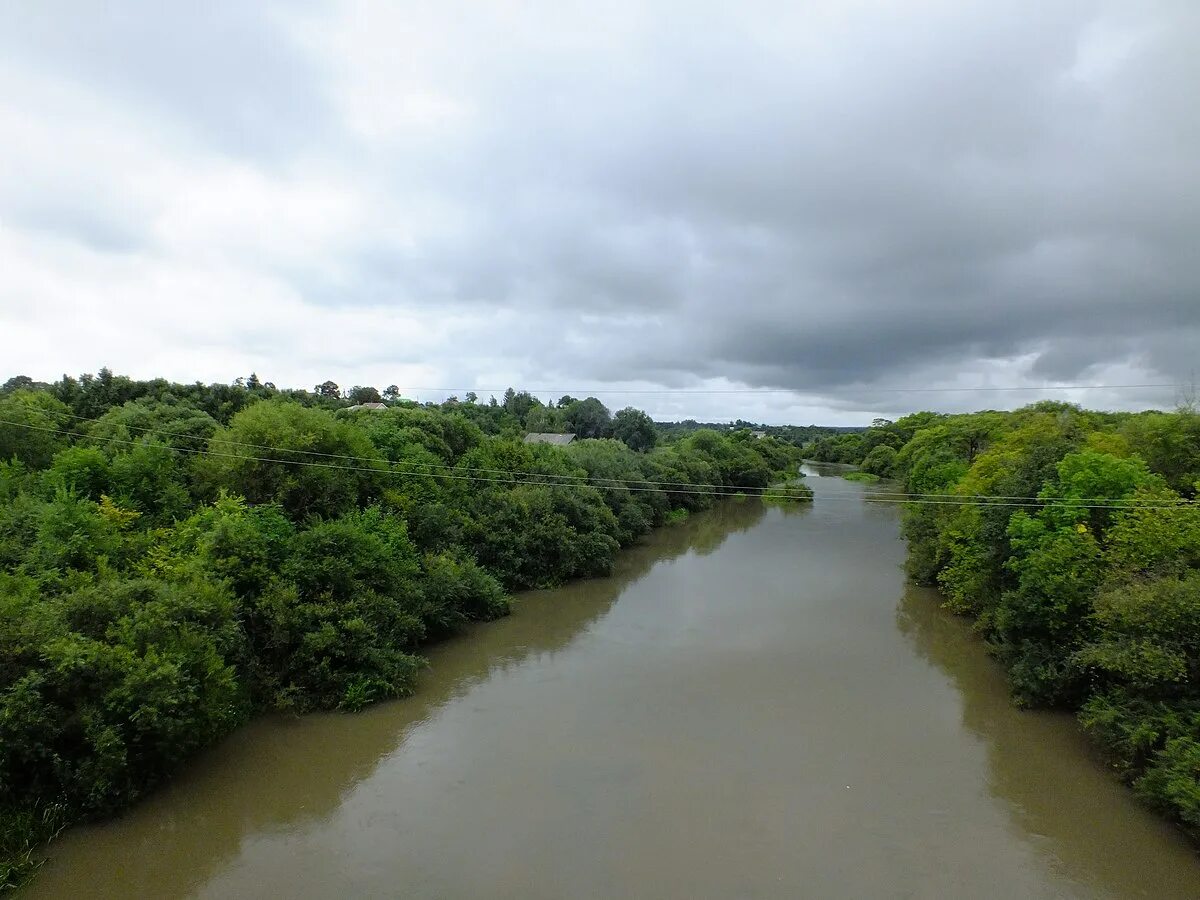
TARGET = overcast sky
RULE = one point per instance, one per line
(839, 198)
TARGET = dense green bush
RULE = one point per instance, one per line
(305, 460)
(880, 461)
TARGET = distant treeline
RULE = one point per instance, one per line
(175, 557)
(791, 434)
(1076, 549)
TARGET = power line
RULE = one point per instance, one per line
(383, 467)
(706, 490)
(1117, 502)
(583, 479)
(903, 390)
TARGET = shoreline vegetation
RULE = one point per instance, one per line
(788, 491)
(1071, 539)
(177, 558)
(863, 477)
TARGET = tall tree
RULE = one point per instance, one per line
(635, 429)
(588, 418)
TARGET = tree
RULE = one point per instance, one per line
(391, 393)
(147, 420)
(285, 474)
(588, 418)
(518, 404)
(880, 461)
(329, 389)
(545, 420)
(361, 394)
(635, 429)
(340, 630)
(32, 426)
(133, 676)
(17, 382)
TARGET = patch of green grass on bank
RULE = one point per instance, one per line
(22, 832)
(864, 477)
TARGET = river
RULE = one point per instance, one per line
(754, 705)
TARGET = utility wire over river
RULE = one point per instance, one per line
(485, 475)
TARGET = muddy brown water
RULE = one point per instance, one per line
(754, 705)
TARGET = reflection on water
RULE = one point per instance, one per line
(1086, 823)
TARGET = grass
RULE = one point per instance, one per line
(22, 832)
(864, 477)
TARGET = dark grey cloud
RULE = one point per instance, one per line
(835, 198)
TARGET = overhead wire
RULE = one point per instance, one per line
(712, 490)
(903, 390)
(383, 467)
(587, 479)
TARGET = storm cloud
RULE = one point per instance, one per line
(834, 201)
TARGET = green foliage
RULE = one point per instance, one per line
(80, 471)
(863, 477)
(106, 688)
(1172, 779)
(635, 429)
(537, 536)
(1170, 444)
(1147, 541)
(839, 448)
(588, 418)
(1148, 636)
(788, 492)
(546, 420)
(1090, 603)
(459, 591)
(880, 461)
(31, 423)
(320, 650)
(173, 424)
(244, 545)
(340, 468)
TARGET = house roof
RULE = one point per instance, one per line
(367, 406)
(546, 438)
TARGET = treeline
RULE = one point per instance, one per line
(1089, 593)
(174, 558)
(516, 413)
(791, 434)
(854, 445)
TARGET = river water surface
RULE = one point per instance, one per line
(754, 705)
